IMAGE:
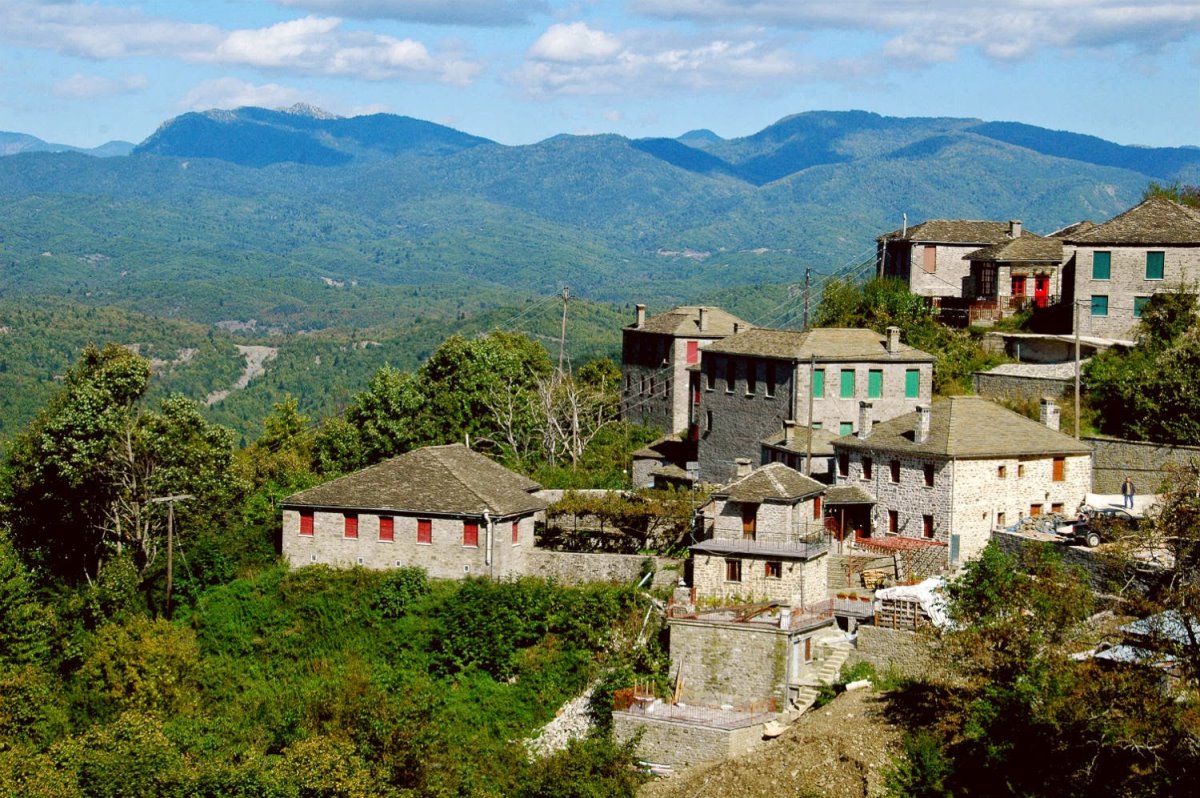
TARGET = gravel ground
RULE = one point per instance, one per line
(838, 751)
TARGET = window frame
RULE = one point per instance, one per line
(1156, 261)
(912, 384)
(893, 522)
(894, 472)
(516, 532)
(350, 526)
(470, 534)
(929, 472)
(425, 531)
(751, 377)
(308, 523)
(846, 388)
(733, 570)
(773, 569)
(927, 527)
(875, 383)
(1099, 305)
(1058, 471)
(1102, 263)
(387, 528)
(867, 467)
(818, 384)
(1139, 305)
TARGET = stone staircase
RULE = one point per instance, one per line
(833, 652)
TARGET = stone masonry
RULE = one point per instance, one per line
(1127, 282)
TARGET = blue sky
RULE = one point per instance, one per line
(518, 71)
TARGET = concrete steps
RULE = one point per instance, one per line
(835, 650)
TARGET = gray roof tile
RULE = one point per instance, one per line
(684, 322)
(773, 482)
(1157, 220)
(826, 344)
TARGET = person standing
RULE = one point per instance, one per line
(1127, 491)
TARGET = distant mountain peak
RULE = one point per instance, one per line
(309, 110)
(700, 134)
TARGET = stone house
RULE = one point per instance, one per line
(446, 509)
(1112, 269)
(929, 257)
(655, 355)
(951, 471)
(767, 540)
(749, 384)
(1018, 272)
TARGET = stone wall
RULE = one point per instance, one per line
(1012, 386)
(910, 498)
(1127, 280)
(646, 392)
(727, 663)
(573, 568)
(949, 269)
(1105, 573)
(1144, 462)
(905, 652)
(800, 583)
(680, 744)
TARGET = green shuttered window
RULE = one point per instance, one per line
(818, 386)
(912, 384)
(847, 383)
(1101, 265)
(1155, 265)
(875, 384)
(1099, 305)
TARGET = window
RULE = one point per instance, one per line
(693, 352)
(387, 528)
(749, 521)
(1057, 507)
(1035, 509)
(1002, 472)
(1020, 470)
(893, 522)
(1000, 519)
(1060, 469)
(710, 373)
(843, 463)
(652, 386)
(516, 532)
(866, 464)
(773, 570)
(1155, 265)
(927, 525)
(847, 383)
(751, 376)
(1099, 305)
(818, 386)
(986, 284)
(912, 384)
(769, 367)
(929, 258)
(875, 384)
(1139, 304)
(928, 475)
(730, 374)
(1101, 265)
(708, 424)
(643, 391)
(845, 428)
(424, 530)
(816, 507)
(471, 533)
(306, 523)
(350, 527)
(733, 570)
(894, 467)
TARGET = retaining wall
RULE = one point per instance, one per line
(1106, 573)
(1113, 458)
(572, 568)
(1011, 386)
(682, 744)
(906, 652)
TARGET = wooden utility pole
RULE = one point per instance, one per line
(562, 338)
(170, 502)
(1077, 301)
(812, 368)
(807, 292)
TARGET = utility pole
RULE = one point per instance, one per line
(1077, 301)
(170, 502)
(812, 368)
(562, 338)
(807, 292)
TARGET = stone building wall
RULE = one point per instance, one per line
(681, 744)
(1144, 462)
(727, 663)
(950, 268)
(909, 653)
(1181, 264)
(910, 497)
(1011, 386)
(573, 568)
(800, 582)
(1106, 573)
(646, 390)
(444, 558)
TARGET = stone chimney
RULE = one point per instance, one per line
(864, 419)
(1014, 228)
(1050, 413)
(789, 432)
(737, 328)
(641, 316)
(893, 339)
(743, 467)
(703, 319)
(921, 434)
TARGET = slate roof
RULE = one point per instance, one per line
(952, 231)
(684, 322)
(967, 427)
(847, 494)
(826, 344)
(1073, 229)
(438, 480)
(1028, 248)
(669, 448)
(774, 482)
(822, 441)
(1156, 221)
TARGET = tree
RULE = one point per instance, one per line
(1183, 193)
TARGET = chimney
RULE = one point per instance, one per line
(789, 432)
(641, 317)
(737, 328)
(743, 467)
(1050, 413)
(864, 419)
(1014, 228)
(921, 434)
(893, 339)
(703, 319)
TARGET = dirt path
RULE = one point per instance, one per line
(838, 751)
(256, 358)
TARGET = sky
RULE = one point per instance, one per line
(519, 71)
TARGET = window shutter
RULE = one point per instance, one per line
(387, 527)
(424, 530)
(306, 523)
(471, 533)
(1101, 265)
(912, 384)
(350, 529)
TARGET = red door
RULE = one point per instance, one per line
(1041, 290)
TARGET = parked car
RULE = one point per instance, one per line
(1102, 524)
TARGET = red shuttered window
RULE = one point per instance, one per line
(471, 533)
(387, 527)
(351, 528)
(424, 530)
(306, 523)
(516, 532)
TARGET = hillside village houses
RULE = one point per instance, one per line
(930, 257)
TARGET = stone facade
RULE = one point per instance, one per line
(941, 273)
(1110, 306)
(681, 744)
(1144, 462)
(900, 651)
(735, 414)
(573, 568)
(993, 385)
(446, 556)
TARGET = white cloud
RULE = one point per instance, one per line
(233, 93)
(312, 45)
(937, 30)
(82, 87)
(479, 13)
(573, 43)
